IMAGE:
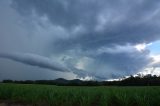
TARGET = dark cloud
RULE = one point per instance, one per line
(44, 62)
(65, 13)
(124, 21)
(91, 37)
(125, 63)
(35, 60)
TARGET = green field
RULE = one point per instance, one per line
(49, 95)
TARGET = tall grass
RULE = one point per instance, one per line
(80, 96)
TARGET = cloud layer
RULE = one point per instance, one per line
(44, 62)
(35, 60)
(104, 38)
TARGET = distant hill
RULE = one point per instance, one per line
(149, 80)
(61, 80)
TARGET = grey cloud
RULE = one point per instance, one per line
(65, 13)
(121, 63)
(107, 64)
(132, 25)
(124, 21)
(44, 62)
(125, 63)
(35, 60)
(102, 24)
(24, 36)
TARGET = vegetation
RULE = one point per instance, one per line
(61, 92)
(147, 80)
(51, 95)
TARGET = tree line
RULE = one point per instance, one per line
(147, 80)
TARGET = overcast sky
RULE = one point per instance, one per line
(99, 39)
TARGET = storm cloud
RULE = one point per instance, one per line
(44, 62)
(102, 39)
(105, 22)
(35, 60)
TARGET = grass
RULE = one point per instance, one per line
(80, 96)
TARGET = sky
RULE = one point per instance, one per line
(85, 39)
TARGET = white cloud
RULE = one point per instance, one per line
(156, 61)
(141, 47)
(153, 67)
(117, 49)
(83, 62)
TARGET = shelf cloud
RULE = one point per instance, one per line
(35, 60)
(104, 39)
